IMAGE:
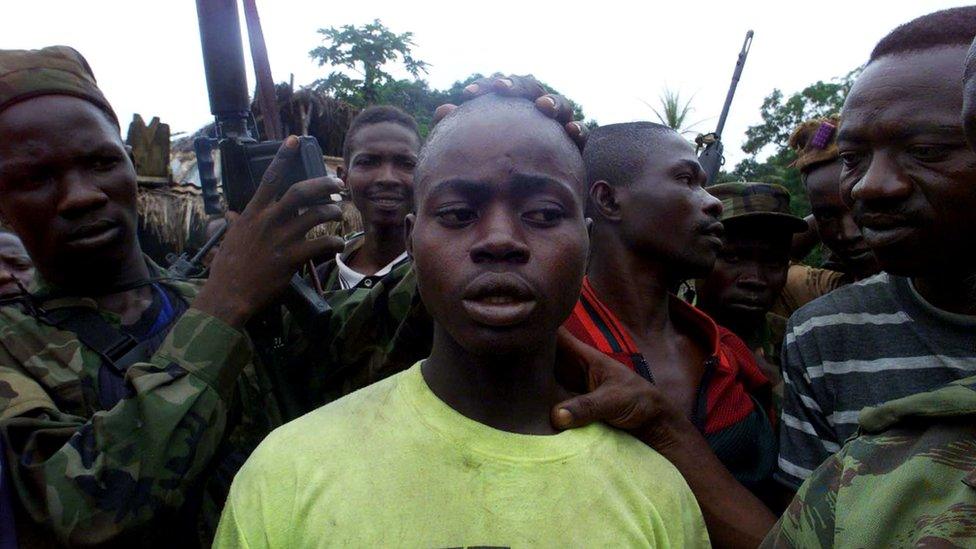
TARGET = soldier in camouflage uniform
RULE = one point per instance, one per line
(751, 269)
(908, 479)
(139, 449)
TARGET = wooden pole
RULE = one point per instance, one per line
(262, 72)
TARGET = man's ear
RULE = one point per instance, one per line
(605, 200)
(341, 173)
(408, 223)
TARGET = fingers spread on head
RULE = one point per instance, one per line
(555, 106)
(578, 132)
(480, 86)
(273, 177)
(442, 111)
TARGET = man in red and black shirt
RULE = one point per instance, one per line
(654, 224)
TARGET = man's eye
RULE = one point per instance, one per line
(851, 159)
(728, 257)
(929, 153)
(456, 217)
(104, 163)
(365, 161)
(544, 216)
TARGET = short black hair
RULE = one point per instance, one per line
(615, 153)
(376, 115)
(946, 28)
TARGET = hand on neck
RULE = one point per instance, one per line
(514, 392)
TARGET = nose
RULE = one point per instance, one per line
(78, 195)
(753, 278)
(500, 239)
(882, 182)
(711, 206)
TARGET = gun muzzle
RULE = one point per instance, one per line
(223, 61)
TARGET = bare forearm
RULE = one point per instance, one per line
(734, 516)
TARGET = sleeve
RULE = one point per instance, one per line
(90, 479)
(806, 436)
(810, 519)
(230, 534)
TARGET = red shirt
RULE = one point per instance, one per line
(727, 410)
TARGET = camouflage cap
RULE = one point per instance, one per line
(757, 201)
(55, 70)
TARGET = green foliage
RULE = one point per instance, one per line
(779, 118)
(674, 113)
(366, 51)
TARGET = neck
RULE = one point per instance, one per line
(103, 285)
(513, 392)
(641, 306)
(744, 326)
(952, 292)
(381, 245)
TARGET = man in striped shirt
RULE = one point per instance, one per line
(909, 179)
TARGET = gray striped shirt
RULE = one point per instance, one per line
(858, 346)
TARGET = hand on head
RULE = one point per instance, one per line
(554, 106)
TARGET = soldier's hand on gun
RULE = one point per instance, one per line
(266, 245)
(616, 395)
(552, 105)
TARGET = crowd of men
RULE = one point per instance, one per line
(507, 360)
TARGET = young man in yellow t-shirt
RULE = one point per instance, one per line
(459, 450)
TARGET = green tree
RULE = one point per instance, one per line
(366, 51)
(780, 116)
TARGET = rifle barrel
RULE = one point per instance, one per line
(746, 45)
(223, 61)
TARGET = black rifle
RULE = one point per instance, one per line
(712, 158)
(243, 160)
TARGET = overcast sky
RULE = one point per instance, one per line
(608, 56)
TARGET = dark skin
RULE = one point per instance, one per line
(834, 221)
(16, 266)
(663, 226)
(67, 182)
(499, 244)
(908, 172)
(379, 175)
(749, 275)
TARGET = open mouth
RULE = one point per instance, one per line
(498, 300)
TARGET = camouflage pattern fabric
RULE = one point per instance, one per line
(757, 200)
(154, 469)
(908, 479)
(56, 70)
(374, 333)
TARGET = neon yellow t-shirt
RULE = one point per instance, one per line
(394, 466)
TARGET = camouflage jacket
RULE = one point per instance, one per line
(373, 334)
(907, 479)
(152, 470)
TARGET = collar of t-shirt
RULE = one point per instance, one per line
(350, 278)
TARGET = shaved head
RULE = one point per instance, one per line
(506, 128)
(617, 153)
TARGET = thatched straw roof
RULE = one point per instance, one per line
(171, 213)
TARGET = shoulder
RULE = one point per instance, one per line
(331, 426)
(864, 296)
